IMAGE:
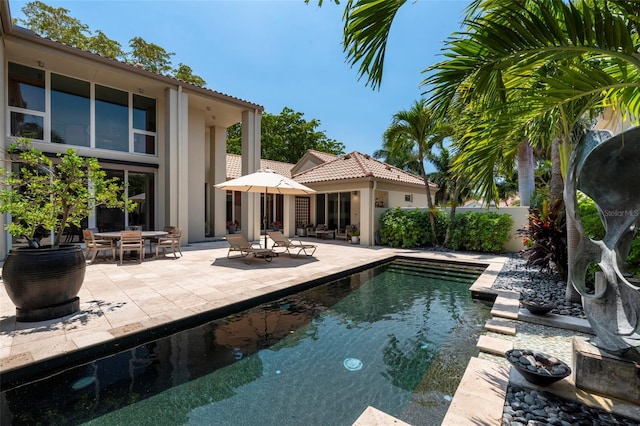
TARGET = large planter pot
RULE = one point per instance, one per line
(43, 283)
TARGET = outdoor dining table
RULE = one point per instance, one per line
(146, 235)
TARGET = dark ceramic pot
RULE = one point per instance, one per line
(44, 283)
(537, 367)
(537, 308)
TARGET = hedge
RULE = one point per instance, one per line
(484, 232)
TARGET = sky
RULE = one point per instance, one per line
(284, 53)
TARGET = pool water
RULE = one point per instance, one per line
(397, 337)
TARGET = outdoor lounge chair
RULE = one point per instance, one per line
(279, 240)
(238, 242)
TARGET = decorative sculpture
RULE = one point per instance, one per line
(607, 169)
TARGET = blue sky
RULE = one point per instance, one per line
(279, 53)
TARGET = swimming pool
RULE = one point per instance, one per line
(397, 337)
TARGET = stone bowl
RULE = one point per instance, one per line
(537, 308)
(537, 367)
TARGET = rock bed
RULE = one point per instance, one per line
(537, 286)
(529, 407)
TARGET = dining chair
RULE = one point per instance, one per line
(170, 241)
(94, 245)
(131, 241)
(154, 240)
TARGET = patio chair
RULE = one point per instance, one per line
(168, 229)
(131, 241)
(238, 242)
(343, 234)
(279, 240)
(94, 245)
(171, 241)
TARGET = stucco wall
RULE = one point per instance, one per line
(397, 199)
(196, 175)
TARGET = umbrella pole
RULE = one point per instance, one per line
(264, 218)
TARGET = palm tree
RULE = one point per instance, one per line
(405, 159)
(516, 65)
(415, 130)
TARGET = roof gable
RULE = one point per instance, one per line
(356, 166)
(310, 159)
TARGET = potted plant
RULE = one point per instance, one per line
(232, 226)
(355, 236)
(277, 225)
(43, 199)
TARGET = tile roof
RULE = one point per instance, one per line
(27, 33)
(234, 166)
(346, 167)
(322, 156)
(356, 166)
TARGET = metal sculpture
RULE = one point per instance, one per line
(607, 169)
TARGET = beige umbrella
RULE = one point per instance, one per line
(268, 182)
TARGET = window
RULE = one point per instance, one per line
(26, 101)
(112, 119)
(70, 111)
(144, 125)
(123, 121)
(408, 198)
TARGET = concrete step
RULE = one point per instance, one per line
(492, 345)
(500, 326)
(506, 305)
(480, 396)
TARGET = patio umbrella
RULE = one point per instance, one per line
(268, 182)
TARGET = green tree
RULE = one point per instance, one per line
(185, 73)
(57, 24)
(519, 66)
(416, 130)
(286, 137)
(151, 56)
(405, 158)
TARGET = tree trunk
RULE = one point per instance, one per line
(432, 218)
(526, 173)
(556, 186)
(452, 213)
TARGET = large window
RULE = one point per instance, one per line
(70, 111)
(123, 121)
(26, 101)
(112, 119)
(141, 189)
(144, 125)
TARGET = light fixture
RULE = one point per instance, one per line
(140, 90)
(208, 108)
(41, 64)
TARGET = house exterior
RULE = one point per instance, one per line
(165, 138)
(352, 189)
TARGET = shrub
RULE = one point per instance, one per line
(483, 232)
(410, 228)
(546, 238)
